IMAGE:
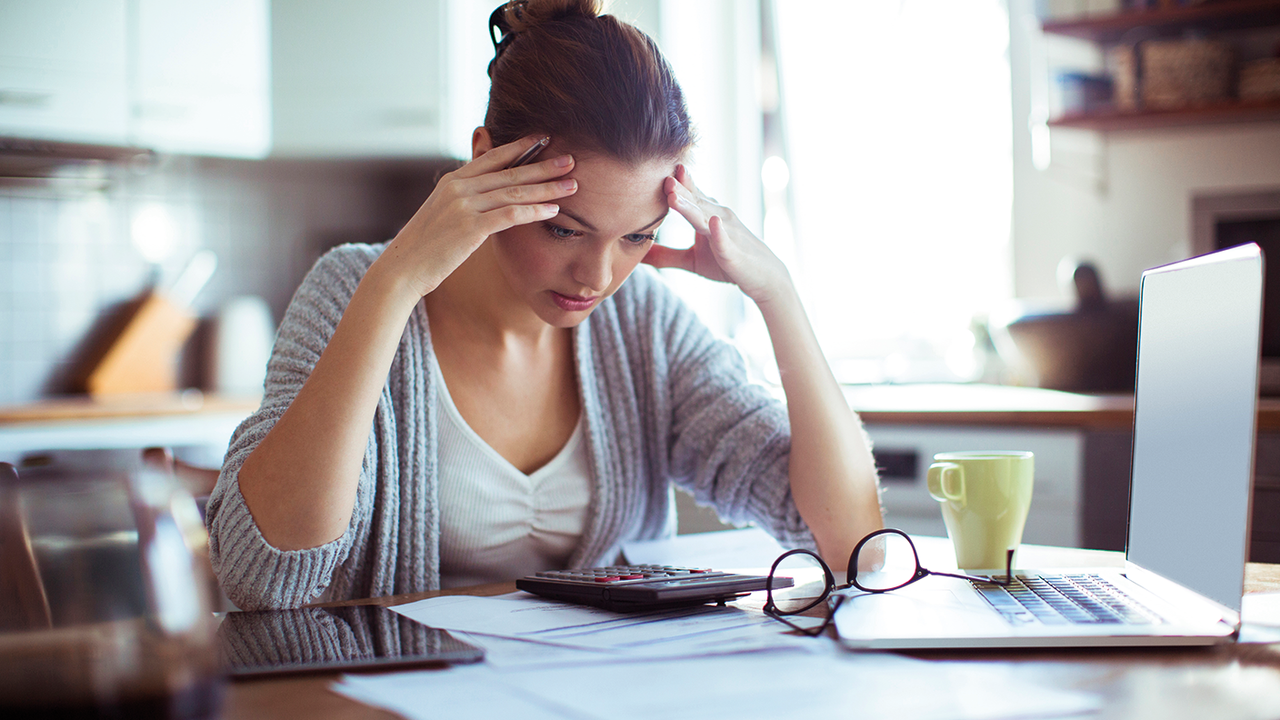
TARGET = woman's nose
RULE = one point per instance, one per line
(594, 268)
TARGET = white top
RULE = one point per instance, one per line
(497, 523)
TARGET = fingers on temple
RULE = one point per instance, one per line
(688, 209)
(502, 156)
(682, 174)
(509, 216)
(525, 194)
(526, 175)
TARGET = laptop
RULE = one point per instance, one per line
(1199, 340)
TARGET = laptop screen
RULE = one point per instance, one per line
(1194, 421)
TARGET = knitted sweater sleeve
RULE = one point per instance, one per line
(729, 440)
(253, 573)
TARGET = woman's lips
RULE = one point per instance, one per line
(573, 303)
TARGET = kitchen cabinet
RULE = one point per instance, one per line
(1236, 17)
(189, 77)
(201, 77)
(247, 78)
(386, 78)
(63, 70)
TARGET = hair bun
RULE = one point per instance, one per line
(522, 15)
(516, 16)
(597, 84)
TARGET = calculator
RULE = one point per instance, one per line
(644, 587)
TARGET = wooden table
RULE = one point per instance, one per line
(1134, 683)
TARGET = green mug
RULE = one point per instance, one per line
(985, 497)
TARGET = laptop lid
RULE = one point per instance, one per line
(1195, 414)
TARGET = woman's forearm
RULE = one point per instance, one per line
(300, 482)
(833, 476)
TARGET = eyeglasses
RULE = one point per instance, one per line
(883, 561)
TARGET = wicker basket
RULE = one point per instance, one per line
(1178, 73)
(1167, 74)
(1260, 79)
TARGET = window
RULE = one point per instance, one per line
(896, 174)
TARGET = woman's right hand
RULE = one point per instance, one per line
(468, 205)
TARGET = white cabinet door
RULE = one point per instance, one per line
(63, 71)
(375, 78)
(201, 71)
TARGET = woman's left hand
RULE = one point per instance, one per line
(723, 249)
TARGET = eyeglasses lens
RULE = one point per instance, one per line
(885, 562)
(809, 579)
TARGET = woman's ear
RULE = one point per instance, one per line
(481, 142)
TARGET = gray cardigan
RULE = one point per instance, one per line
(665, 401)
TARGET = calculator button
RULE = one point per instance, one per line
(608, 578)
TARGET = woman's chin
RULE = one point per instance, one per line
(555, 317)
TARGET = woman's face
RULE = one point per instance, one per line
(564, 267)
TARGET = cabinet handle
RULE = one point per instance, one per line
(161, 111)
(29, 99)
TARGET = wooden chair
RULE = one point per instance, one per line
(23, 602)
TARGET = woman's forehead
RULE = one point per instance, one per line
(611, 191)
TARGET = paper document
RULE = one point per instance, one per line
(1261, 608)
(1260, 618)
(768, 686)
(695, 630)
(745, 549)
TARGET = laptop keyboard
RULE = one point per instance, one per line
(1065, 600)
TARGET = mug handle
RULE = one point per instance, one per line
(946, 483)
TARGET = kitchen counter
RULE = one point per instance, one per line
(189, 418)
(975, 404)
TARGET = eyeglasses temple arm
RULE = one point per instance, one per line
(1006, 582)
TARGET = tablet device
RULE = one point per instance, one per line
(343, 639)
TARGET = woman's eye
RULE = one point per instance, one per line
(640, 238)
(558, 232)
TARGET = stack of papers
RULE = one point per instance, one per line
(545, 659)
(699, 630)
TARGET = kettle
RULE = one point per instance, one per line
(106, 596)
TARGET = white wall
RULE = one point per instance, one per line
(1123, 198)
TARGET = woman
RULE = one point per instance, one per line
(496, 392)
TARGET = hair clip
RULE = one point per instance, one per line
(498, 22)
(500, 30)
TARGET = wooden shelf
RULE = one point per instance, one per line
(1216, 114)
(1220, 16)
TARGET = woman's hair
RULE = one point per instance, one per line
(589, 80)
